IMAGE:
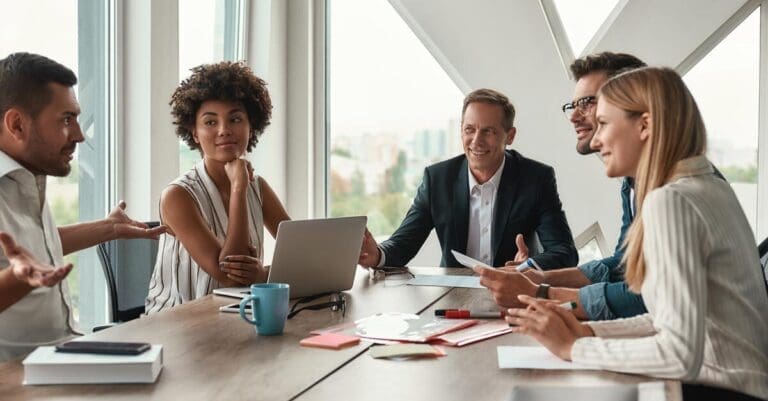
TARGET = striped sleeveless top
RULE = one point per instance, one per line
(177, 278)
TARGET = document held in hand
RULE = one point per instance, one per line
(46, 366)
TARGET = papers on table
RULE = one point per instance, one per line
(405, 351)
(446, 281)
(467, 261)
(407, 327)
(512, 357)
(481, 331)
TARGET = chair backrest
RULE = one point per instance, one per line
(128, 266)
(591, 243)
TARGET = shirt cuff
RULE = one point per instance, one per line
(383, 258)
(592, 298)
(595, 271)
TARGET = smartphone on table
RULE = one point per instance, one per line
(103, 347)
(235, 308)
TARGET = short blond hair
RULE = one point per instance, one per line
(490, 96)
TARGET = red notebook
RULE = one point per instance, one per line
(329, 340)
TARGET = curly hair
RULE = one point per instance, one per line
(226, 81)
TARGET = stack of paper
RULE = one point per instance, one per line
(46, 366)
(481, 331)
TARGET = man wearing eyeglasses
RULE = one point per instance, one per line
(597, 286)
(482, 201)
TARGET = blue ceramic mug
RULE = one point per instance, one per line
(269, 303)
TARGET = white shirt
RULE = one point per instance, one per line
(42, 316)
(707, 307)
(482, 210)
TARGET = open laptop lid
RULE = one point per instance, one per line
(317, 256)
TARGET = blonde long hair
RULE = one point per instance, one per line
(676, 132)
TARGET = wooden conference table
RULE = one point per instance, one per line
(209, 355)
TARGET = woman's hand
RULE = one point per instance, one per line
(239, 172)
(245, 269)
(554, 327)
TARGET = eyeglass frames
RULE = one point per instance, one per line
(337, 301)
(583, 104)
(380, 273)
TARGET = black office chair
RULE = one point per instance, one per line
(762, 249)
(128, 282)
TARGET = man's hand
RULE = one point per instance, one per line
(369, 252)
(505, 286)
(522, 252)
(27, 269)
(124, 227)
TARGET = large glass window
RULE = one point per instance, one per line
(77, 34)
(393, 111)
(209, 31)
(724, 84)
(582, 19)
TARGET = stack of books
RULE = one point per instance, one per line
(46, 366)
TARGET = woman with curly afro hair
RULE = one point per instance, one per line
(216, 212)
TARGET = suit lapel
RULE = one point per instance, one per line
(505, 197)
(460, 215)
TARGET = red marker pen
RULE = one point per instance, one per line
(467, 314)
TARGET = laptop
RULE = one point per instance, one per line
(313, 256)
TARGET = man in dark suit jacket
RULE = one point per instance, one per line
(506, 195)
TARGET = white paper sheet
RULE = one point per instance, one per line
(467, 261)
(513, 357)
(446, 281)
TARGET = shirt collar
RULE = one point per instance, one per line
(692, 166)
(494, 179)
(8, 164)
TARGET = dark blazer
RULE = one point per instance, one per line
(526, 202)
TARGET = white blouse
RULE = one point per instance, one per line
(177, 278)
(704, 290)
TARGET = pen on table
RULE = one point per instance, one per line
(468, 314)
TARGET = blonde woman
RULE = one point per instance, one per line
(690, 253)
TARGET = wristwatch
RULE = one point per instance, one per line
(543, 291)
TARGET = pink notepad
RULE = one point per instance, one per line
(329, 340)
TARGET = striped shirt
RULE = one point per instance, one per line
(177, 278)
(708, 310)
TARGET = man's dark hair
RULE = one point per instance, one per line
(227, 81)
(609, 63)
(491, 96)
(24, 79)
